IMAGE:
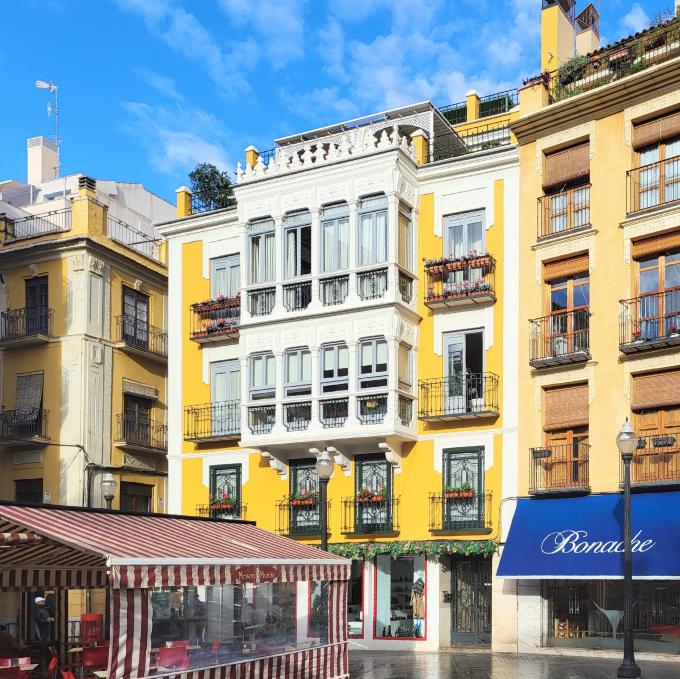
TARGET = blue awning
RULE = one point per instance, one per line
(582, 537)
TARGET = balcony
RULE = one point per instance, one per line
(261, 302)
(261, 419)
(460, 282)
(215, 320)
(563, 338)
(490, 105)
(333, 412)
(653, 186)
(371, 409)
(24, 426)
(656, 462)
(133, 238)
(140, 434)
(458, 396)
(564, 213)
(141, 338)
(405, 287)
(297, 415)
(213, 422)
(222, 510)
(25, 327)
(297, 296)
(469, 140)
(372, 284)
(458, 510)
(405, 406)
(334, 290)
(33, 226)
(370, 514)
(650, 322)
(559, 469)
(299, 516)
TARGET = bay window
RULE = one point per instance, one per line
(372, 363)
(262, 376)
(262, 252)
(335, 238)
(334, 368)
(298, 372)
(298, 240)
(372, 230)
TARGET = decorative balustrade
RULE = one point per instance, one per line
(212, 421)
(560, 338)
(138, 334)
(372, 284)
(656, 460)
(560, 213)
(297, 296)
(29, 322)
(327, 150)
(561, 468)
(653, 185)
(376, 513)
(460, 510)
(23, 424)
(141, 432)
(215, 320)
(460, 281)
(651, 321)
(33, 226)
(458, 396)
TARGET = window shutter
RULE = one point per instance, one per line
(657, 244)
(655, 131)
(566, 407)
(566, 166)
(565, 267)
(657, 390)
(29, 391)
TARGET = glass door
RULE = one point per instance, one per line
(135, 318)
(137, 420)
(373, 497)
(36, 306)
(225, 396)
(303, 501)
(454, 357)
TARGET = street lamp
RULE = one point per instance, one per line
(627, 442)
(324, 469)
(109, 487)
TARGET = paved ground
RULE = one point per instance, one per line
(480, 665)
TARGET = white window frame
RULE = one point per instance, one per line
(464, 219)
(405, 213)
(265, 391)
(262, 229)
(300, 387)
(407, 383)
(228, 262)
(376, 375)
(337, 381)
(296, 222)
(334, 214)
(371, 208)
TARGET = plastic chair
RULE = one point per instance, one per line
(172, 657)
(178, 643)
(96, 658)
(52, 667)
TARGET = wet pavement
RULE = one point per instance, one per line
(483, 665)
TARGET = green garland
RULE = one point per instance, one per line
(369, 550)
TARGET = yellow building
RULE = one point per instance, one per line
(355, 300)
(599, 140)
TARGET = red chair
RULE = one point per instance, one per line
(177, 656)
(6, 662)
(180, 643)
(52, 667)
(96, 658)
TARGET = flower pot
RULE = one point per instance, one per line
(467, 493)
(378, 498)
(364, 498)
(223, 505)
(450, 494)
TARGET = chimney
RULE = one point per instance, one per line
(588, 30)
(557, 33)
(42, 160)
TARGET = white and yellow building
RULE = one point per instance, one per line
(356, 300)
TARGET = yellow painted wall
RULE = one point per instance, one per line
(557, 38)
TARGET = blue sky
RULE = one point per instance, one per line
(148, 88)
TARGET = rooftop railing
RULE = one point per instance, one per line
(121, 232)
(478, 138)
(201, 203)
(33, 226)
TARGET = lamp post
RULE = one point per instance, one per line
(626, 442)
(109, 487)
(324, 469)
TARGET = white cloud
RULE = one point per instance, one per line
(160, 83)
(326, 100)
(635, 20)
(177, 138)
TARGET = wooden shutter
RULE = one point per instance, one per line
(655, 131)
(29, 391)
(566, 407)
(657, 244)
(656, 390)
(565, 267)
(566, 166)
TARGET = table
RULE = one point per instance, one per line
(101, 674)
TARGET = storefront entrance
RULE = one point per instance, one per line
(471, 602)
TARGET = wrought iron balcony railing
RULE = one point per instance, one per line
(458, 396)
(18, 324)
(133, 238)
(456, 282)
(141, 432)
(333, 290)
(566, 212)
(261, 419)
(650, 321)
(297, 296)
(141, 335)
(460, 510)
(559, 469)
(23, 424)
(333, 412)
(656, 460)
(405, 406)
(469, 140)
(371, 409)
(372, 284)
(208, 204)
(653, 185)
(405, 287)
(33, 226)
(297, 415)
(261, 302)
(377, 513)
(299, 518)
(212, 421)
(222, 510)
(215, 320)
(561, 338)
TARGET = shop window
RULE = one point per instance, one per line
(355, 600)
(29, 491)
(136, 497)
(400, 597)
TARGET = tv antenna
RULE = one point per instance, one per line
(53, 89)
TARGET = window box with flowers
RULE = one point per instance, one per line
(673, 330)
(218, 304)
(308, 498)
(454, 492)
(371, 495)
(223, 501)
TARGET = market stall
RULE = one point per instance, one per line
(205, 597)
